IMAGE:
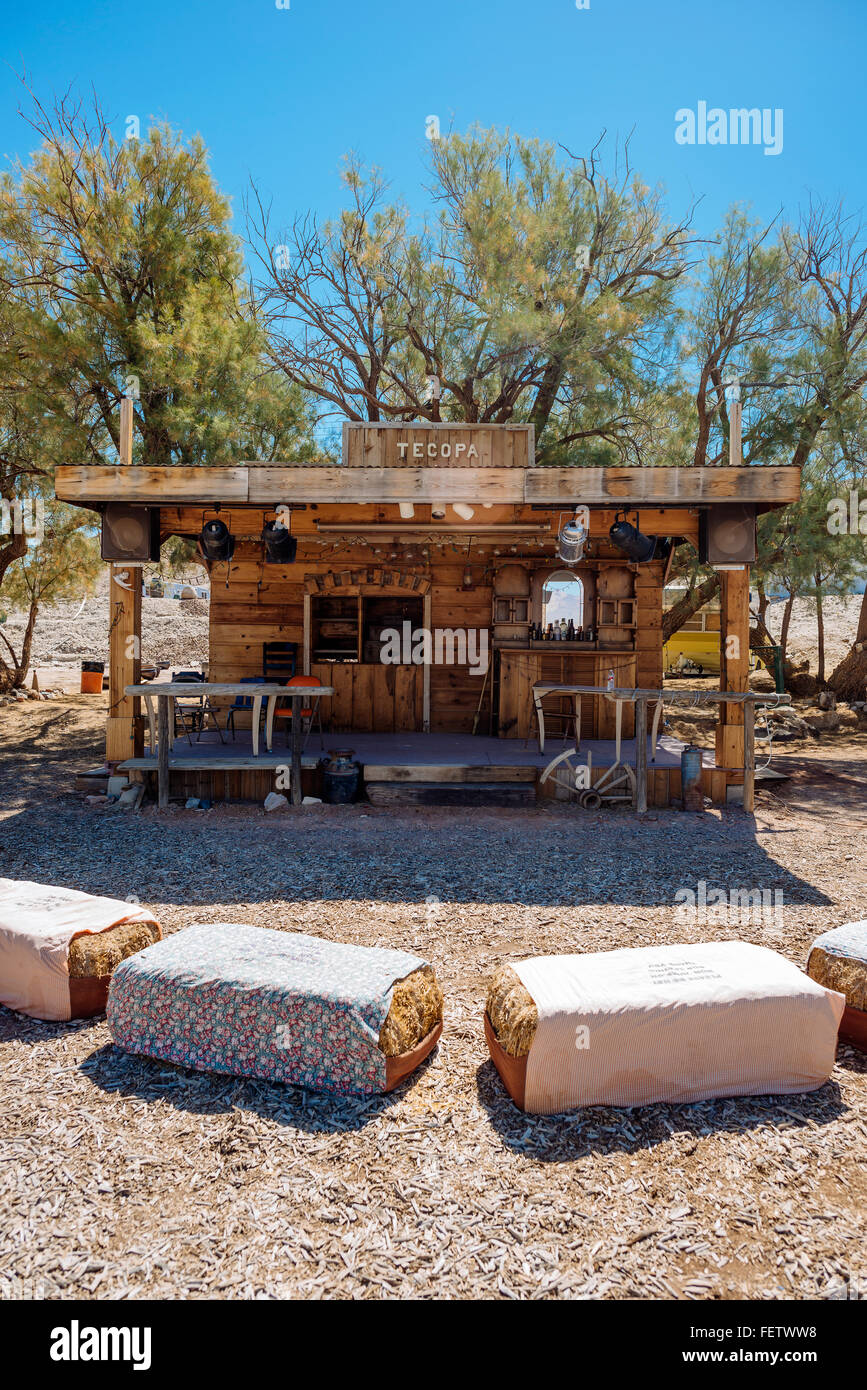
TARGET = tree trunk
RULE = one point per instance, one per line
(849, 679)
(820, 631)
(15, 549)
(27, 645)
(674, 618)
(784, 626)
(763, 603)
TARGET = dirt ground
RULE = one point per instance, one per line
(125, 1177)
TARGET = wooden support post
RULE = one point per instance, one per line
(425, 670)
(124, 726)
(734, 664)
(735, 420)
(163, 747)
(641, 756)
(749, 756)
(123, 735)
(297, 705)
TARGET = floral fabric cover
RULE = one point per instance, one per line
(249, 1001)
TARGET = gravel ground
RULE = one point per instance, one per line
(130, 1178)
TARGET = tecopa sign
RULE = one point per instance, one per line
(437, 445)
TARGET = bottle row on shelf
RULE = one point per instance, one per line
(561, 632)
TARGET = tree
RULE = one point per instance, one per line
(126, 280)
(540, 290)
(63, 562)
(783, 324)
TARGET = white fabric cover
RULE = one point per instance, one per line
(37, 923)
(675, 1023)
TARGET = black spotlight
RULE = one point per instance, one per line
(630, 540)
(216, 541)
(280, 545)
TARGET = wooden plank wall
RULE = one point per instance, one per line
(648, 636)
(519, 672)
(265, 603)
(268, 606)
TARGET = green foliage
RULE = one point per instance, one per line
(490, 295)
(125, 279)
(61, 562)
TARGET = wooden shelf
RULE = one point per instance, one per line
(562, 646)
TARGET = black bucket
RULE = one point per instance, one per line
(340, 786)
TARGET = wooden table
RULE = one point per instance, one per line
(640, 698)
(160, 738)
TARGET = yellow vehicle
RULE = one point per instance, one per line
(694, 649)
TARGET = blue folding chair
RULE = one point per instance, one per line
(244, 702)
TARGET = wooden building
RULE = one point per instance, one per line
(446, 529)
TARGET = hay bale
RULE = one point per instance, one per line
(838, 960)
(95, 955)
(416, 1008)
(512, 1011)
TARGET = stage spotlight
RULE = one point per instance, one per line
(216, 541)
(280, 545)
(630, 540)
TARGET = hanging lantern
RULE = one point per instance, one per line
(572, 540)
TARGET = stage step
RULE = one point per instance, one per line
(452, 793)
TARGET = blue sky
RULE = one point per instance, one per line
(281, 94)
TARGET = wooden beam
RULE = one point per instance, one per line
(407, 531)
(123, 729)
(734, 664)
(206, 486)
(451, 772)
(163, 746)
(555, 487)
(635, 487)
(641, 756)
(313, 484)
(749, 757)
(297, 706)
(123, 732)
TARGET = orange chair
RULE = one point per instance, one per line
(283, 708)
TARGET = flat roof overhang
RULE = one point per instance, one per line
(257, 485)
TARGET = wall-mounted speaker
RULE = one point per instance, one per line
(130, 533)
(727, 534)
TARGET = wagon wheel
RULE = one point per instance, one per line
(567, 772)
(617, 784)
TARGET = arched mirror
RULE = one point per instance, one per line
(563, 599)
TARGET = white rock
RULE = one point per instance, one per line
(311, 801)
(275, 801)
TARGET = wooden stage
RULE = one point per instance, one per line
(489, 770)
